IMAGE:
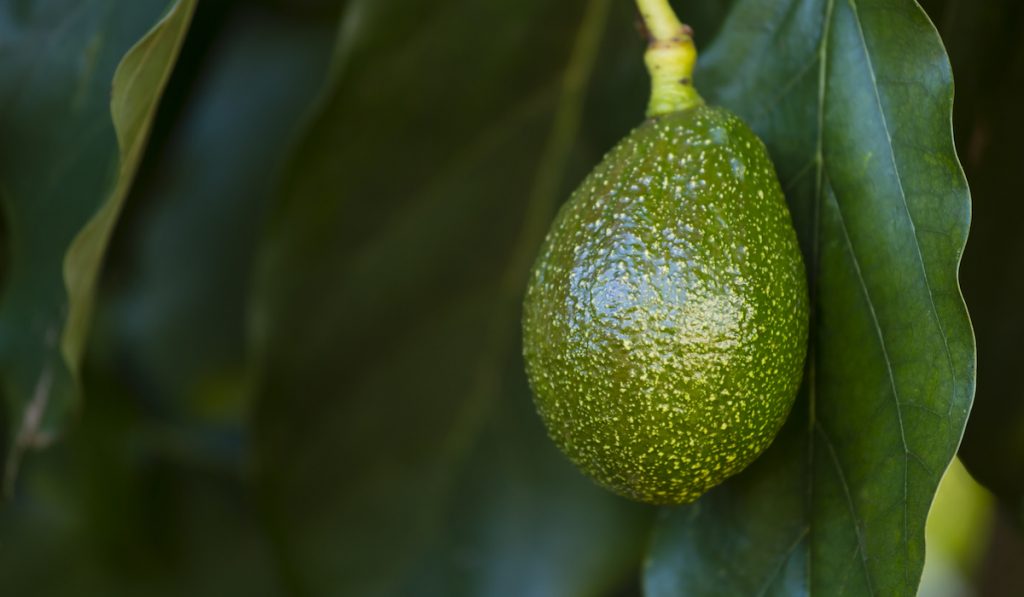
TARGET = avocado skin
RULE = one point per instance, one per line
(665, 322)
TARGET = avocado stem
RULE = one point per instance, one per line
(670, 58)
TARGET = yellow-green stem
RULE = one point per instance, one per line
(670, 58)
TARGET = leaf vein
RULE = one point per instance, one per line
(849, 503)
(910, 219)
(817, 159)
(888, 368)
(787, 87)
(782, 561)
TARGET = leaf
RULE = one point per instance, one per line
(148, 493)
(120, 507)
(988, 62)
(396, 443)
(178, 287)
(139, 82)
(60, 164)
(853, 99)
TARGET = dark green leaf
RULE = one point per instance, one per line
(64, 158)
(147, 495)
(127, 505)
(396, 441)
(853, 99)
(988, 61)
(179, 284)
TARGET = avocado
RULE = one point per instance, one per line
(665, 321)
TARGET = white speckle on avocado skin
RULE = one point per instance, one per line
(665, 323)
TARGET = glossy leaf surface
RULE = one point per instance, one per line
(854, 100)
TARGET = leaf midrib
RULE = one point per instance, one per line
(818, 200)
(814, 424)
(906, 205)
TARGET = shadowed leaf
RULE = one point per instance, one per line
(389, 305)
(63, 159)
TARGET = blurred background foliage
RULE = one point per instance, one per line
(300, 381)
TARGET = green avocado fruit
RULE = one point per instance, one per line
(665, 322)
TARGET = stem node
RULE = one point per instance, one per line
(670, 59)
